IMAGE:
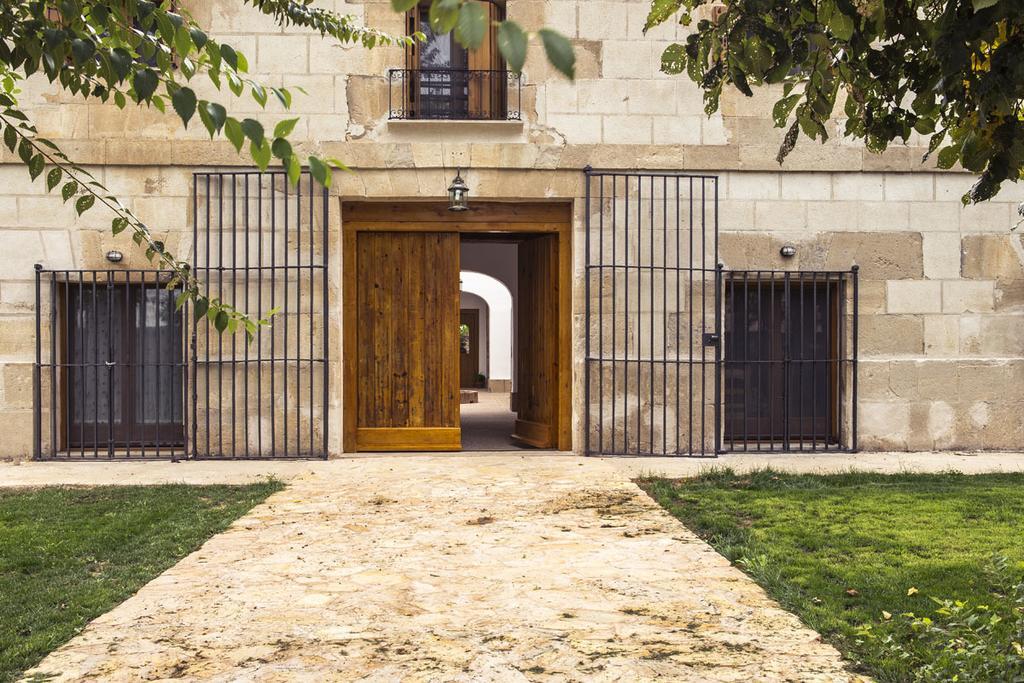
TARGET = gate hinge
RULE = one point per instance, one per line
(711, 339)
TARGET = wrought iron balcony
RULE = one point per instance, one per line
(454, 95)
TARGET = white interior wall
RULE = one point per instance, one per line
(497, 299)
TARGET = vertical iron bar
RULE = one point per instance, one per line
(600, 315)
(110, 363)
(626, 313)
(758, 365)
(259, 307)
(690, 331)
(37, 407)
(770, 361)
(194, 335)
(677, 362)
(312, 290)
(639, 344)
(247, 264)
(53, 365)
(718, 323)
(273, 332)
(298, 316)
(813, 361)
(718, 347)
(284, 362)
(841, 280)
(854, 342)
(234, 299)
(206, 324)
(664, 315)
(325, 305)
(704, 313)
(650, 283)
(129, 310)
(746, 362)
(220, 295)
(586, 353)
(615, 319)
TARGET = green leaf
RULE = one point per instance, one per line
(68, 190)
(84, 203)
(10, 137)
(443, 16)
(218, 114)
(145, 82)
(294, 169)
(35, 166)
(200, 307)
(559, 51)
(184, 102)
(947, 158)
(403, 5)
(661, 11)
(284, 128)
(198, 37)
(512, 43)
(180, 300)
(253, 130)
(840, 25)
(261, 154)
(221, 321)
(983, 4)
(228, 54)
(82, 50)
(783, 108)
(53, 178)
(321, 172)
(282, 149)
(233, 132)
(472, 25)
(118, 225)
(182, 41)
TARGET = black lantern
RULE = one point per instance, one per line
(458, 194)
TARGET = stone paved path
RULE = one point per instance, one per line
(490, 568)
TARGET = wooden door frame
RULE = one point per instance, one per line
(483, 217)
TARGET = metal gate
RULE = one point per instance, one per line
(124, 375)
(652, 308)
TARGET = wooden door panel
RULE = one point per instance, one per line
(407, 314)
(538, 341)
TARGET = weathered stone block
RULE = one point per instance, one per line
(968, 296)
(914, 296)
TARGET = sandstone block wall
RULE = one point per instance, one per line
(942, 293)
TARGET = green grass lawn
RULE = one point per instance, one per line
(68, 555)
(846, 550)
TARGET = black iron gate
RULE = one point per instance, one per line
(684, 357)
(652, 302)
(120, 373)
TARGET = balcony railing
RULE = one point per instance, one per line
(454, 95)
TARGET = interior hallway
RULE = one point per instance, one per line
(488, 424)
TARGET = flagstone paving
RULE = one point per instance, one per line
(448, 568)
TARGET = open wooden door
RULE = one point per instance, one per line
(407, 321)
(538, 332)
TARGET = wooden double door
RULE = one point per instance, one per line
(402, 337)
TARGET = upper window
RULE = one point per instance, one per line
(443, 80)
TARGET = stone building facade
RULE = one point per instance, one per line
(941, 286)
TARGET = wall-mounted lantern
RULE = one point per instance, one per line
(458, 194)
(788, 251)
(115, 256)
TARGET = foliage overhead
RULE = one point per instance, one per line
(949, 69)
(148, 53)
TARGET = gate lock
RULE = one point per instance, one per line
(711, 339)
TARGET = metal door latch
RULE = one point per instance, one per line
(711, 339)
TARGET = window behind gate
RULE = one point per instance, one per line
(789, 361)
(121, 373)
